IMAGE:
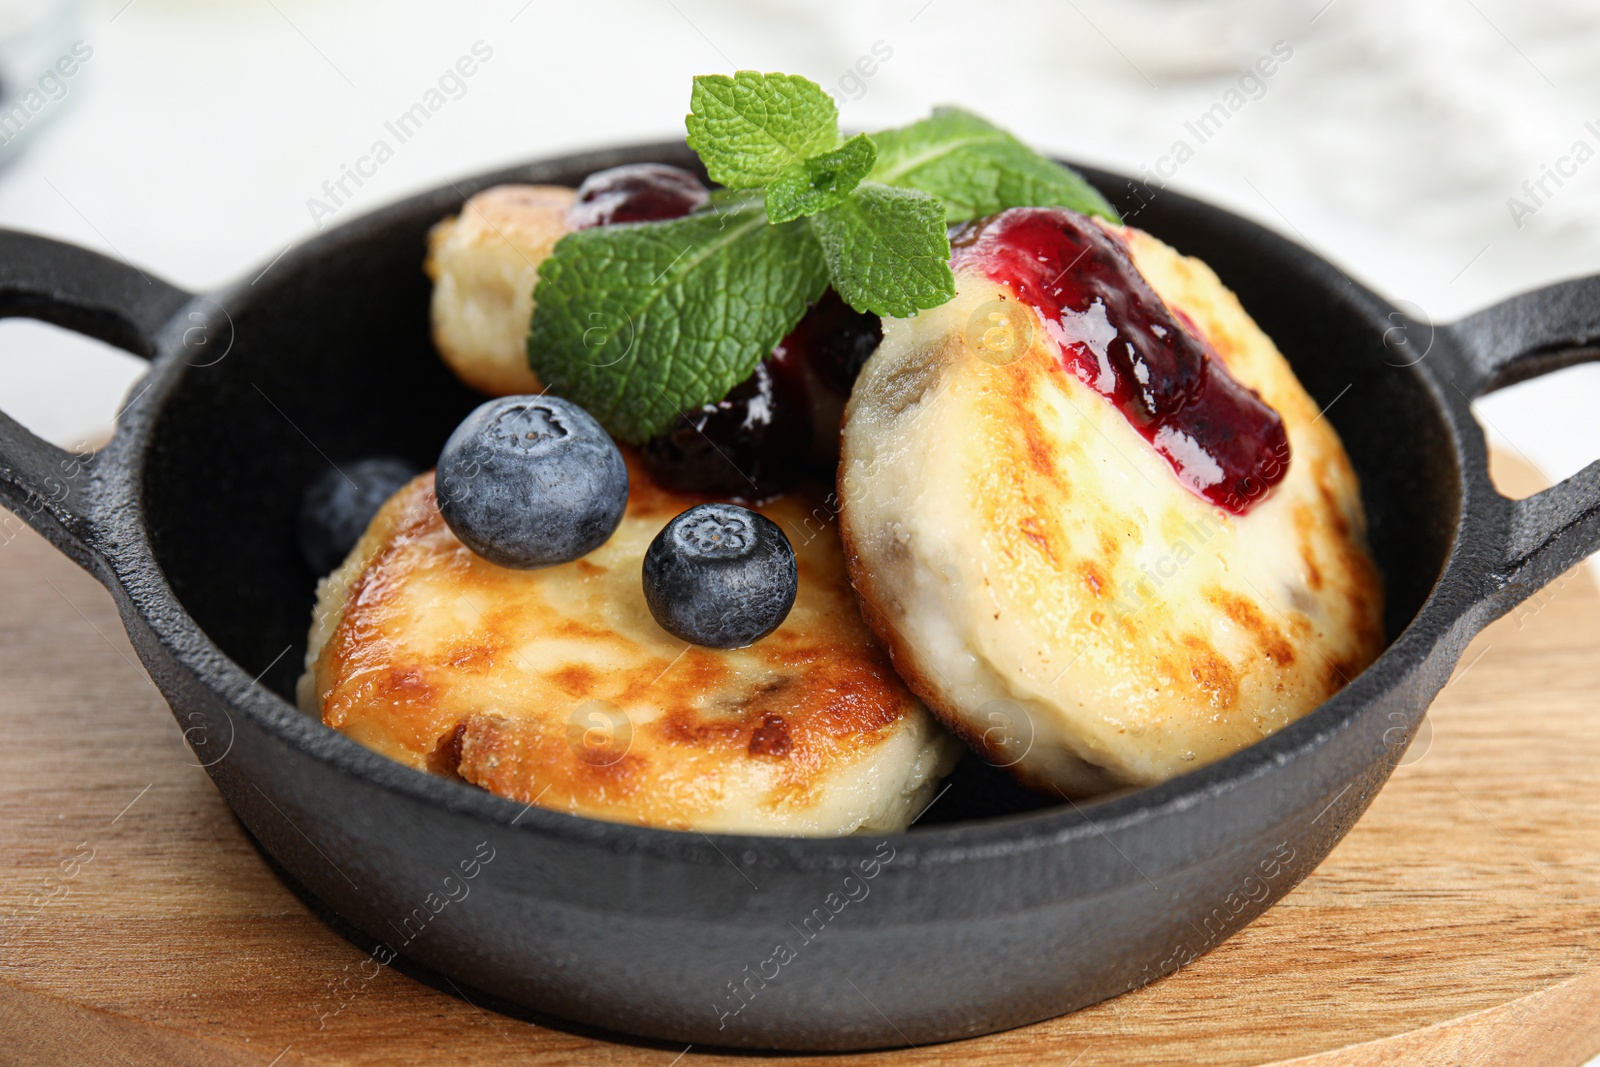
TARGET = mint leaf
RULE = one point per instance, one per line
(749, 127)
(887, 250)
(977, 169)
(820, 182)
(640, 323)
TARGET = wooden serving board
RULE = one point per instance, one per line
(1459, 924)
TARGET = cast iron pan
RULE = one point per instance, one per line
(963, 926)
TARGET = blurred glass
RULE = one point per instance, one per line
(37, 67)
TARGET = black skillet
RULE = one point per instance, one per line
(966, 925)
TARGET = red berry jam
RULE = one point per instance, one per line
(639, 192)
(1121, 340)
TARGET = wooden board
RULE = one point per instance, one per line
(1459, 924)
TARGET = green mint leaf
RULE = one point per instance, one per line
(640, 323)
(977, 169)
(748, 128)
(820, 182)
(887, 250)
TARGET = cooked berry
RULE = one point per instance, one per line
(825, 353)
(721, 576)
(337, 507)
(530, 481)
(751, 444)
(638, 192)
(755, 442)
(834, 341)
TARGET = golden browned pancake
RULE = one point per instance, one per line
(1048, 586)
(484, 264)
(556, 687)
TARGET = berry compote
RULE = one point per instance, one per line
(751, 444)
(638, 192)
(833, 341)
(1121, 340)
(780, 423)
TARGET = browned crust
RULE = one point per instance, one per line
(1286, 663)
(804, 704)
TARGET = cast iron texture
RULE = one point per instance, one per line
(967, 925)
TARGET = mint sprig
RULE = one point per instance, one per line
(978, 169)
(889, 255)
(887, 248)
(820, 182)
(748, 128)
(642, 322)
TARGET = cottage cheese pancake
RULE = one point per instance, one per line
(556, 687)
(484, 264)
(1090, 599)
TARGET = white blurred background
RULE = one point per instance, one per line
(190, 139)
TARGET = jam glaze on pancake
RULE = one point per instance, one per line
(556, 687)
(1046, 582)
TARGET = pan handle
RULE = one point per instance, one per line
(1524, 337)
(48, 487)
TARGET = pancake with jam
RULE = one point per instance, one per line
(556, 687)
(1104, 531)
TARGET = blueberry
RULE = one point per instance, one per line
(339, 505)
(720, 575)
(530, 481)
